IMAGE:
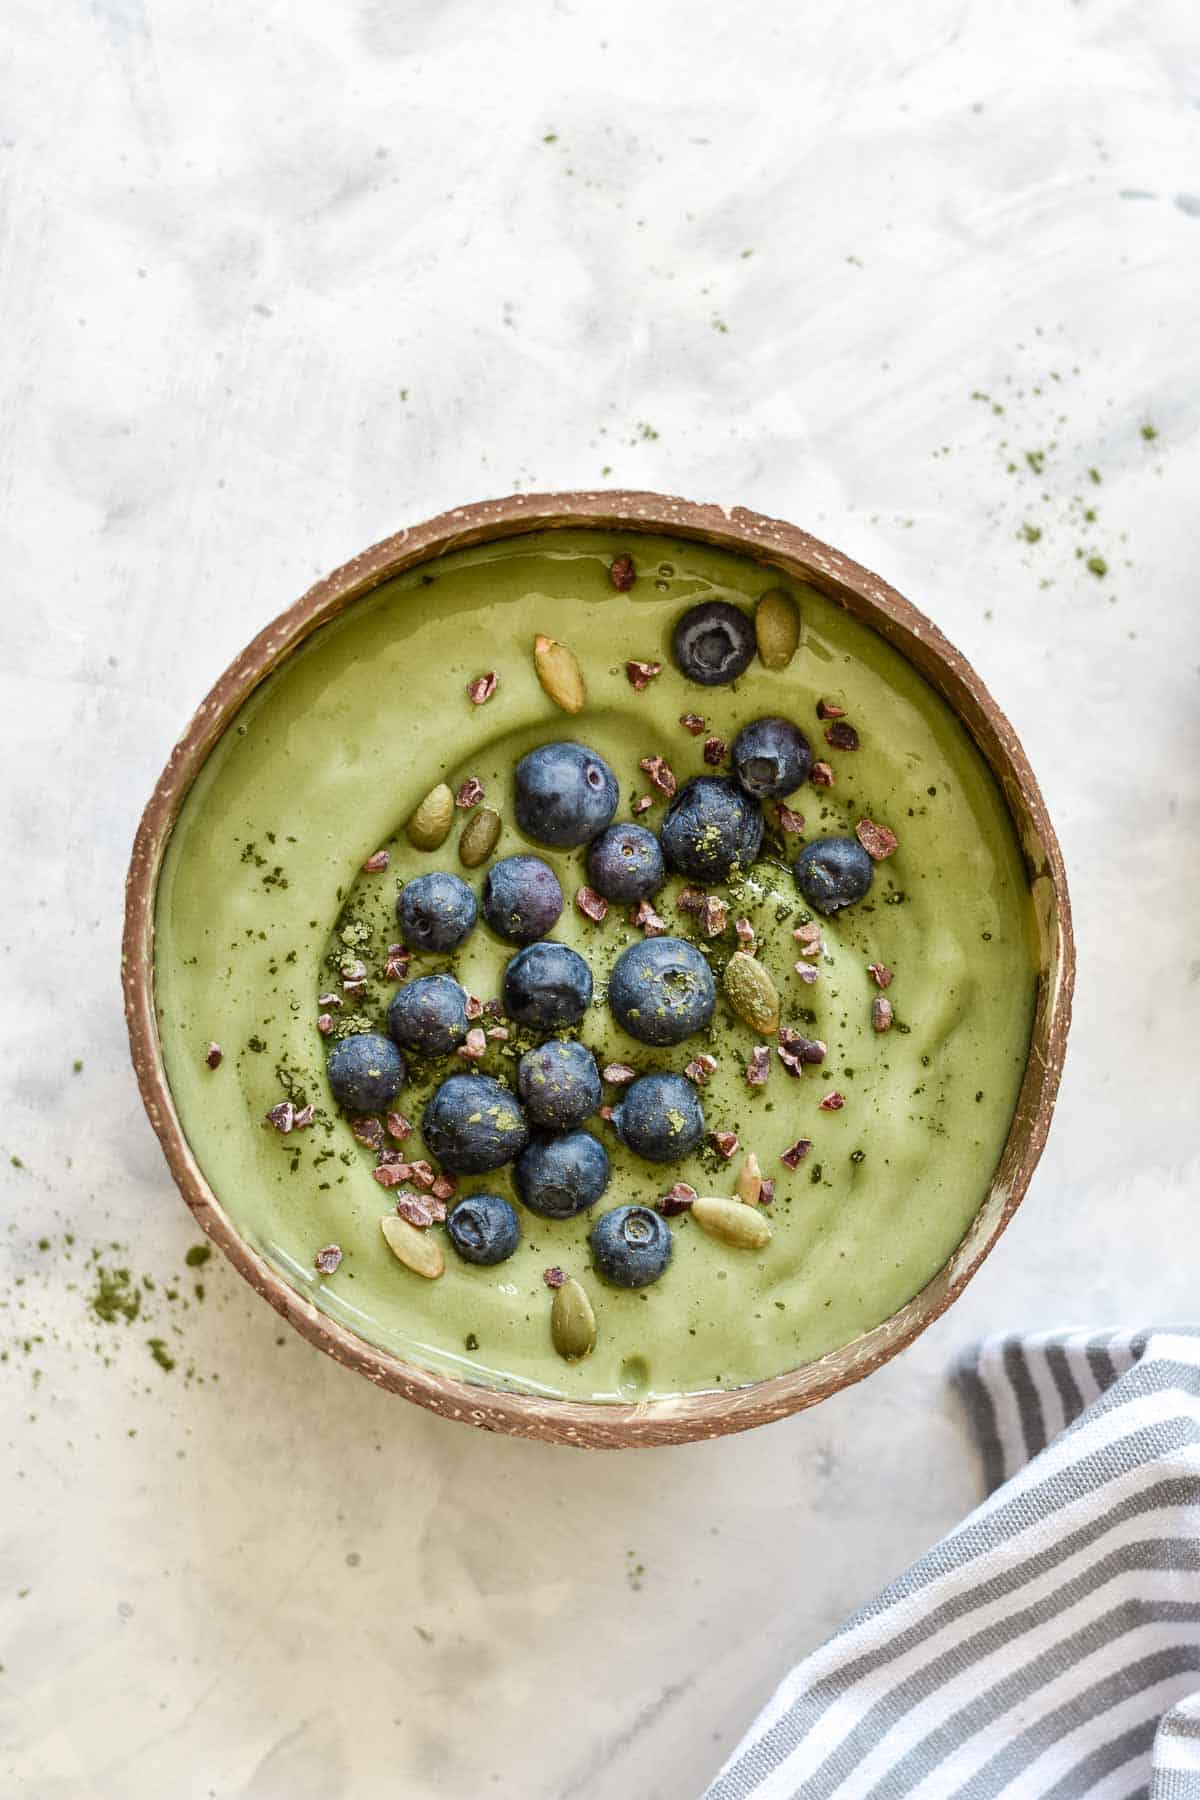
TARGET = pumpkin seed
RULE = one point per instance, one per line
(417, 1250)
(572, 1321)
(751, 993)
(743, 1227)
(749, 1182)
(430, 825)
(777, 627)
(479, 836)
(559, 673)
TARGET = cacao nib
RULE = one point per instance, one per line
(660, 775)
(876, 840)
(369, 1132)
(591, 904)
(622, 573)
(714, 916)
(677, 1200)
(647, 920)
(641, 674)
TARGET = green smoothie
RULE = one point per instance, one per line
(263, 898)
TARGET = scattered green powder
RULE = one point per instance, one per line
(1031, 533)
(1149, 432)
(115, 1297)
(77, 1066)
(16, 1162)
(1097, 565)
(197, 1255)
(160, 1353)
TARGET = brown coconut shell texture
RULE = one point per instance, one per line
(780, 549)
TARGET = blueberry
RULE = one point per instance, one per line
(771, 757)
(365, 1073)
(631, 1245)
(561, 1174)
(625, 863)
(662, 991)
(521, 898)
(833, 872)
(429, 1015)
(546, 985)
(565, 794)
(709, 827)
(435, 911)
(659, 1117)
(472, 1124)
(714, 643)
(484, 1228)
(559, 1084)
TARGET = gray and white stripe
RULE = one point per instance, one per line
(1048, 1649)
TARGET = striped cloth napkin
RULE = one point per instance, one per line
(1049, 1648)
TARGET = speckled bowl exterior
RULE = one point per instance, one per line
(778, 547)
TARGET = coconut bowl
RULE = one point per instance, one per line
(778, 547)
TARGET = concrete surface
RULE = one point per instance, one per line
(278, 279)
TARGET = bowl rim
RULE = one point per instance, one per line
(786, 550)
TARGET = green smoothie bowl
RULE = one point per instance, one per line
(600, 966)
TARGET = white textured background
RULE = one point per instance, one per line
(279, 278)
